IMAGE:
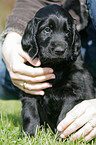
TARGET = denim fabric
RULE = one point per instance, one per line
(7, 89)
(88, 40)
(92, 11)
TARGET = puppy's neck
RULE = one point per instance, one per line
(62, 72)
(55, 64)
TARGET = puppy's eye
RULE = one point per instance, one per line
(47, 30)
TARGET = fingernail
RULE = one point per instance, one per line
(59, 128)
(49, 85)
(37, 62)
(51, 71)
(62, 136)
(42, 93)
(53, 76)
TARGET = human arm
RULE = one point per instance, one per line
(15, 58)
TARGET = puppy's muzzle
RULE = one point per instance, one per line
(57, 49)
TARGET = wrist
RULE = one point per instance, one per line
(11, 38)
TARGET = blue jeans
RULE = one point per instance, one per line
(7, 89)
(92, 11)
(88, 40)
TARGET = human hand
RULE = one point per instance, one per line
(82, 117)
(27, 78)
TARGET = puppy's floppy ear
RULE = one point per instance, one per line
(28, 41)
(76, 44)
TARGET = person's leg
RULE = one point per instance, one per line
(88, 50)
(88, 38)
(92, 11)
(7, 89)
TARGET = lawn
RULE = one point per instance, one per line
(10, 111)
(11, 125)
(6, 7)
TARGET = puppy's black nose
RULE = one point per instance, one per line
(59, 50)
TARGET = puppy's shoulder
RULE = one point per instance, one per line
(80, 73)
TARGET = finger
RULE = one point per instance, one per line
(39, 92)
(25, 55)
(79, 107)
(76, 124)
(36, 62)
(70, 117)
(85, 130)
(33, 87)
(91, 135)
(30, 71)
(38, 79)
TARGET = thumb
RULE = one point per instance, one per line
(34, 62)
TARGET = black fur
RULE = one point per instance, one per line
(52, 36)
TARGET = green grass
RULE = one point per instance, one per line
(11, 125)
(6, 7)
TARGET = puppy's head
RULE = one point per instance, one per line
(52, 35)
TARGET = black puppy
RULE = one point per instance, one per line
(52, 37)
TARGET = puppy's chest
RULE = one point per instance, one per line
(67, 84)
(62, 86)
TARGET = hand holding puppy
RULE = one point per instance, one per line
(27, 78)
